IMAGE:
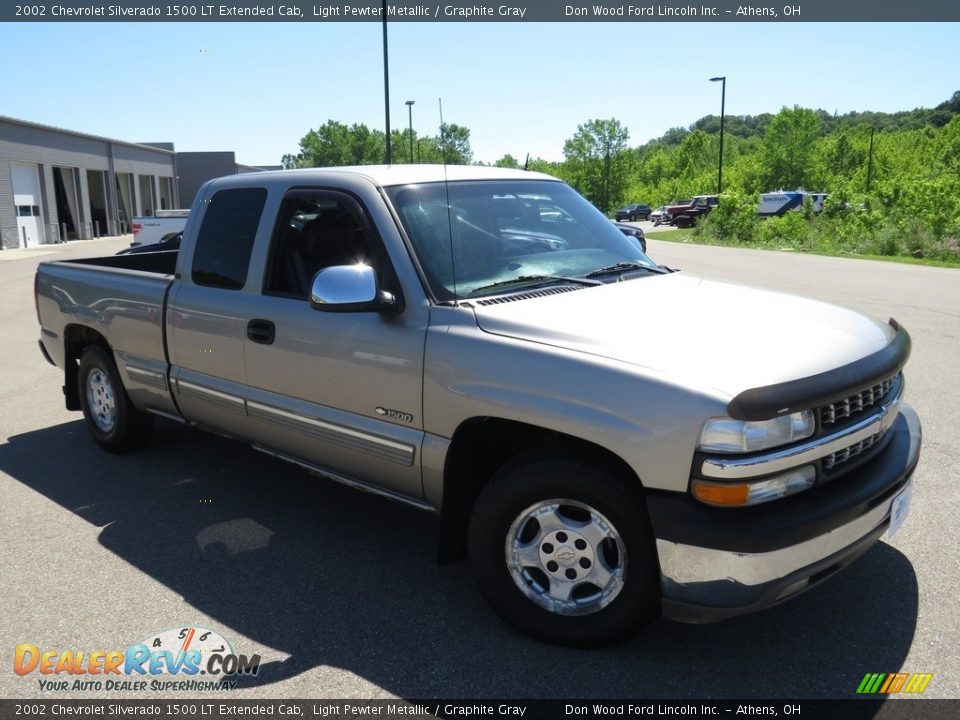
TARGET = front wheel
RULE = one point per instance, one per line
(564, 552)
(112, 419)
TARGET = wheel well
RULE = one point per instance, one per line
(481, 446)
(75, 339)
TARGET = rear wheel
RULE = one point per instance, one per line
(112, 419)
(563, 551)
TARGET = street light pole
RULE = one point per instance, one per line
(386, 83)
(723, 102)
(410, 112)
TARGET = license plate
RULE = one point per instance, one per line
(899, 509)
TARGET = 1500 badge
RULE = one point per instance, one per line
(394, 414)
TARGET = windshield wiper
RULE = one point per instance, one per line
(623, 267)
(535, 280)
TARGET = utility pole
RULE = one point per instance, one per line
(386, 84)
(410, 112)
(723, 102)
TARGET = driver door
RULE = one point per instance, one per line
(339, 391)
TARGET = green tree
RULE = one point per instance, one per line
(674, 136)
(401, 146)
(507, 161)
(546, 167)
(841, 156)
(455, 144)
(948, 147)
(789, 148)
(697, 155)
(334, 144)
(431, 150)
(597, 161)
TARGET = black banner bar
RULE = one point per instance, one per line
(531, 11)
(215, 707)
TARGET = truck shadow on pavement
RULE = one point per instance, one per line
(339, 578)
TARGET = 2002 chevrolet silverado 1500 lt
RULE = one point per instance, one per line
(466, 340)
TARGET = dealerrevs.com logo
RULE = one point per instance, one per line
(188, 658)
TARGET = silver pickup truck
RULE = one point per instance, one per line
(469, 340)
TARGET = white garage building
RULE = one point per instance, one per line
(58, 185)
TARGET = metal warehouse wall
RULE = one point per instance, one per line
(49, 147)
(8, 212)
(195, 168)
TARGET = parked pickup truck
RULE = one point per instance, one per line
(686, 213)
(150, 229)
(437, 335)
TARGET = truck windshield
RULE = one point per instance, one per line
(493, 232)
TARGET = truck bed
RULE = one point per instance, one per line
(119, 297)
(163, 263)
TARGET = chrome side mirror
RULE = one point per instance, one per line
(350, 288)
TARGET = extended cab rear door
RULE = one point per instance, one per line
(208, 310)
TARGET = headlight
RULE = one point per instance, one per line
(726, 435)
(754, 493)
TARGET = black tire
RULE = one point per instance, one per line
(114, 422)
(520, 592)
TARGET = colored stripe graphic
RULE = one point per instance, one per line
(918, 682)
(870, 683)
(894, 682)
(889, 683)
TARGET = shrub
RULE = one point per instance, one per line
(732, 221)
(790, 230)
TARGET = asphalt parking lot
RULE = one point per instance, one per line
(339, 593)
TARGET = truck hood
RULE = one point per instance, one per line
(701, 333)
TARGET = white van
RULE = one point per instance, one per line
(780, 201)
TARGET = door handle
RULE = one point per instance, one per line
(261, 331)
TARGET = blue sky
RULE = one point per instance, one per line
(258, 88)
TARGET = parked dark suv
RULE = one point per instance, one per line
(637, 211)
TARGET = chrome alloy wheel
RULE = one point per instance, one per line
(101, 400)
(566, 557)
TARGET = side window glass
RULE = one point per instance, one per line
(315, 230)
(225, 242)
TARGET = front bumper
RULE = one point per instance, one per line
(715, 563)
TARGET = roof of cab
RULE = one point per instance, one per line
(387, 175)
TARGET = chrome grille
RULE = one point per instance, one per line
(841, 456)
(849, 406)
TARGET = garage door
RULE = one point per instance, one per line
(26, 197)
